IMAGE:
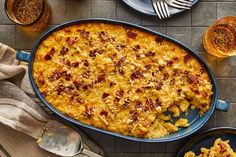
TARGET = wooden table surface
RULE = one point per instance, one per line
(187, 27)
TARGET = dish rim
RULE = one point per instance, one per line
(102, 20)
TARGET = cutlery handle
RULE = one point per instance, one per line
(23, 56)
(89, 153)
(222, 105)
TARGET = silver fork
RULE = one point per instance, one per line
(180, 4)
(161, 9)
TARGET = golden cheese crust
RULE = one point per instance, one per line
(219, 149)
(120, 79)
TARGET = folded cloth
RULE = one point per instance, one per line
(19, 107)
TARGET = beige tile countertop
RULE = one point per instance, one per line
(187, 27)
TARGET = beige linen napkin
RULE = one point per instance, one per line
(20, 108)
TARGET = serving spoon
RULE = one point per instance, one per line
(59, 139)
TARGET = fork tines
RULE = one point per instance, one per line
(161, 9)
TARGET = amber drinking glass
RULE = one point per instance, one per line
(33, 15)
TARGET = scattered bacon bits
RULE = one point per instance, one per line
(120, 47)
(166, 76)
(126, 104)
(159, 86)
(104, 113)
(86, 74)
(138, 90)
(138, 56)
(196, 92)
(120, 93)
(92, 53)
(138, 104)
(121, 61)
(104, 95)
(172, 81)
(136, 47)
(179, 91)
(77, 84)
(68, 89)
(101, 78)
(222, 147)
(83, 33)
(67, 30)
(44, 93)
(116, 100)
(186, 72)
(86, 87)
(75, 64)
(150, 54)
(228, 155)
(159, 39)
(68, 77)
(137, 75)
(131, 34)
(47, 57)
(204, 94)
(169, 62)
(145, 108)
(192, 80)
(112, 84)
(52, 51)
(64, 51)
(70, 41)
(41, 79)
(176, 72)
(60, 89)
(161, 67)
(112, 56)
(79, 100)
(86, 63)
(74, 95)
(103, 36)
(147, 67)
(89, 111)
(150, 103)
(99, 51)
(134, 115)
(158, 102)
(187, 58)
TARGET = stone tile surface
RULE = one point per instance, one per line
(197, 35)
(226, 67)
(226, 118)
(58, 11)
(225, 9)
(7, 35)
(180, 33)
(204, 14)
(227, 89)
(182, 19)
(104, 9)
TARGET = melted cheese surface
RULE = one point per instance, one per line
(120, 79)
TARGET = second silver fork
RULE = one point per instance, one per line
(161, 9)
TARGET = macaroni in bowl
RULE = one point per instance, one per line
(120, 79)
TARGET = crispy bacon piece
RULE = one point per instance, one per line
(86, 86)
(166, 76)
(92, 53)
(222, 147)
(159, 86)
(68, 77)
(103, 36)
(47, 57)
(104, 113)
(136, 75)
(172, 81)
(179, 91)
(60, 89)
(41, 79)
(64, 51)
(86, 63)
(75, 64)
(159, 39)
(138, 90)
(187, 58)
(169, 62)
(133, 115)
(44, 93)
(138, 104)
(112, 84)
(70, 41)
(136, 47)
(161, 67)
(120, 47)
(83, 33)
(86, 74)
(116, 100)
(104, 95)
(150, 103)
(126, 104)
(89, 111)
(176, 72)
(147, 67)
(79, 100)
(150, 54)
(158, 102)
(68, 89)
(131, 35)
(122, 59)
(67, 30)
(204, 94)
(120, 93)
(77, 84)
(101, 78)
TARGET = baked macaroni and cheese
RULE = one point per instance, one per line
(219, 149)
(120, 79)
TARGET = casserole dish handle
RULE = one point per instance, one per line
(222, 105)
(23, 56)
